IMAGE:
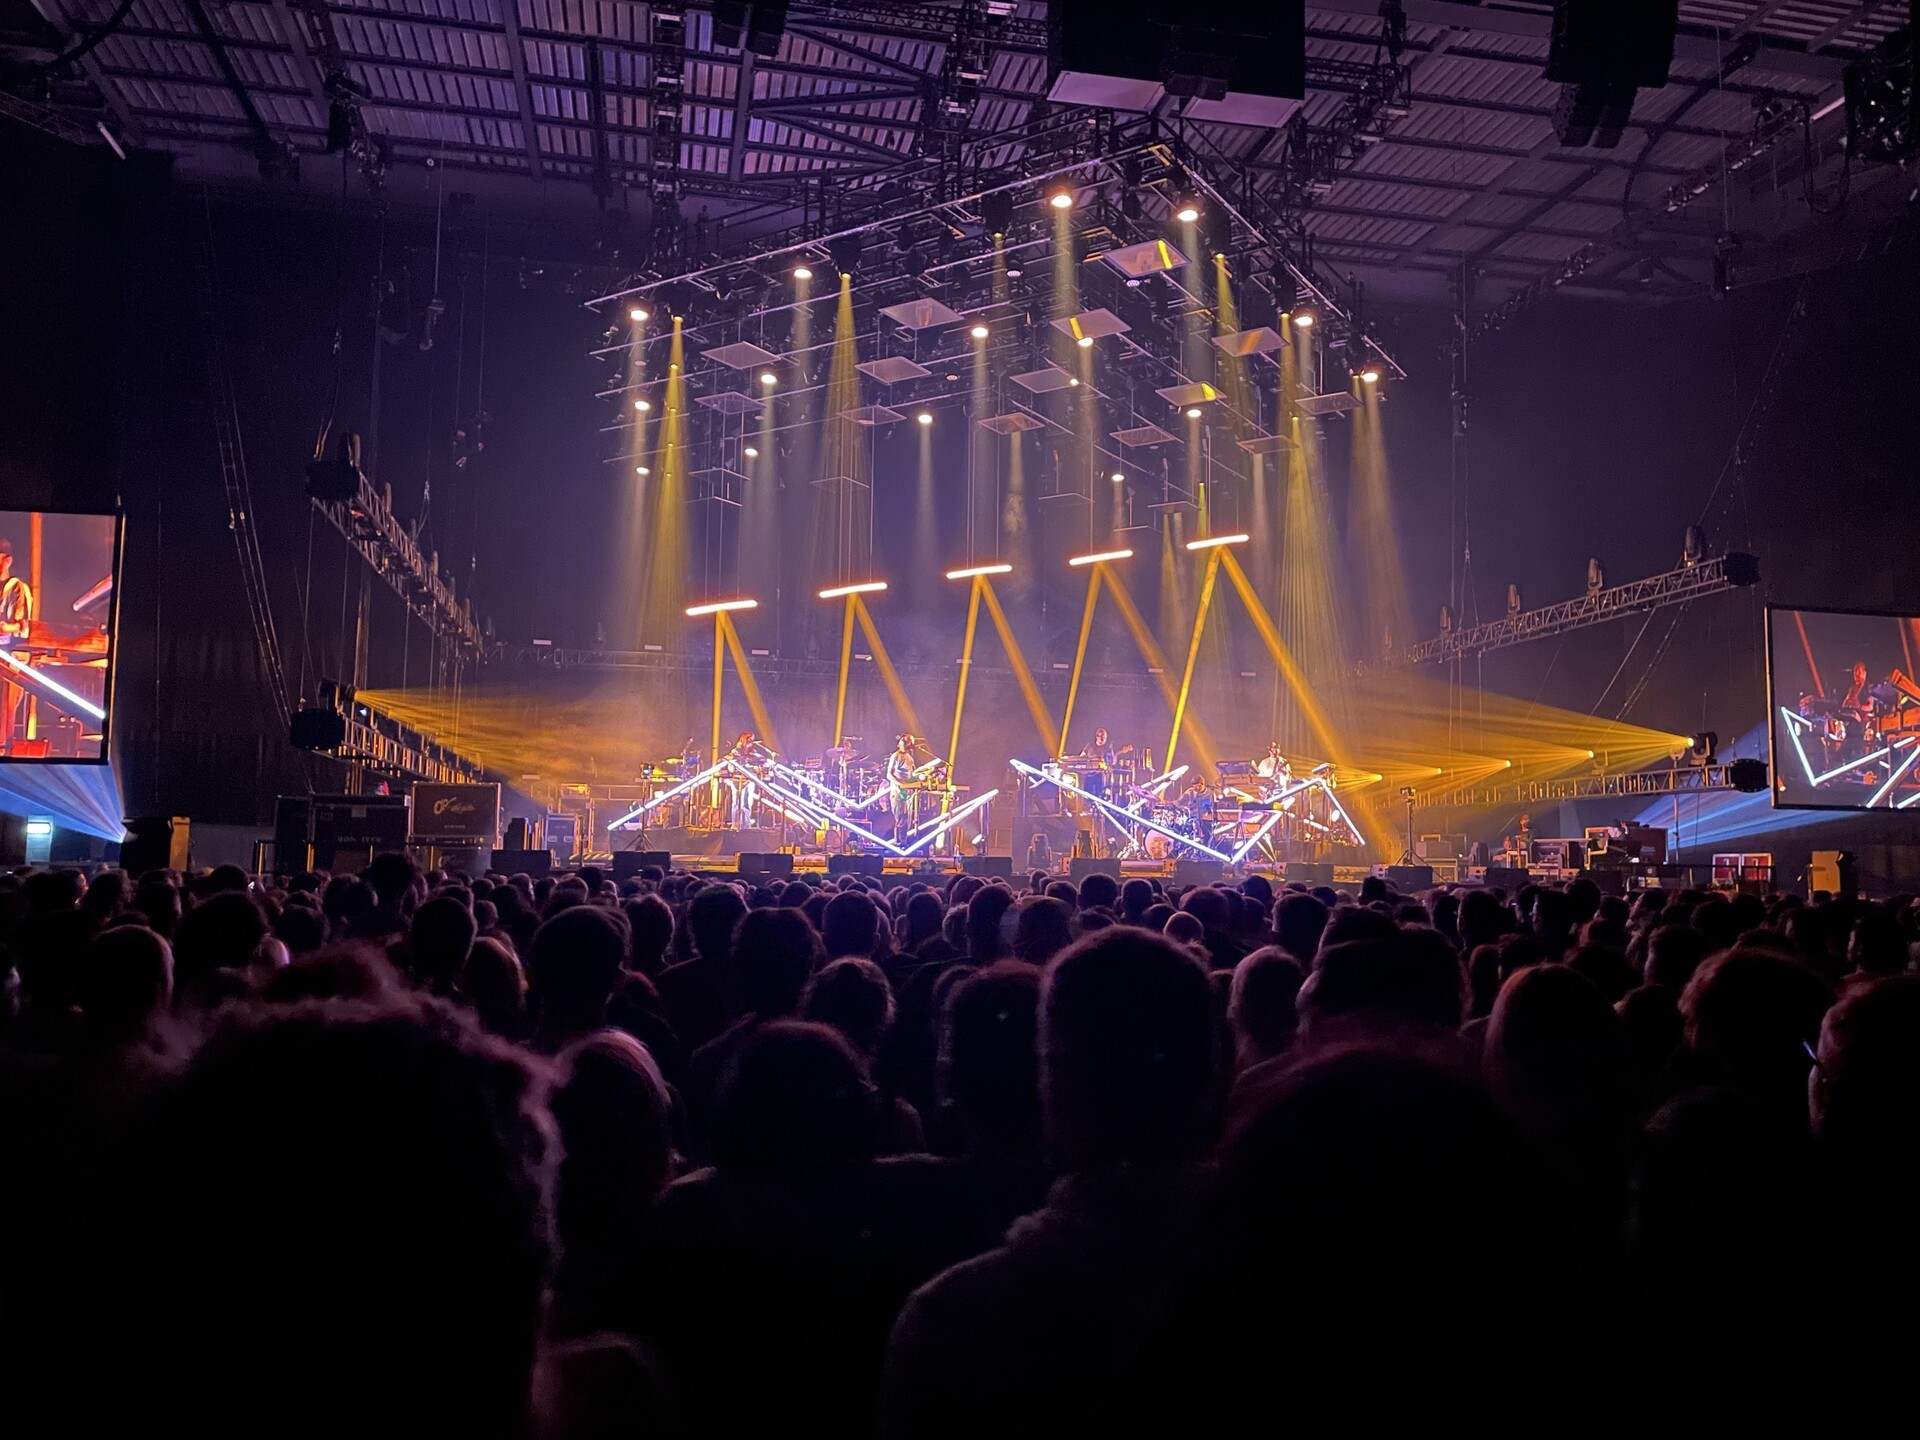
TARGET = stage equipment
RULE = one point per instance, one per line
(1688, 582)
(1602, 52)
(521, 862)
(351, 730)
(873, 865)
(1198, 872)
(971, 571)
(870, 587)
(1883, 111)
(1125, 819)
(1680, 780)
(763, 863)
(156, 842)
(1212, 542)
(627, 864)
(1409, 879)
(357, 827)
(456, 815)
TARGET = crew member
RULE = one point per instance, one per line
(899, 777)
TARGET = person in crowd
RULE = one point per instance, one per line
(573, 973)
(1030, 1336)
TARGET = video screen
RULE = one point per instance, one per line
(1844, 705)
(58, 573)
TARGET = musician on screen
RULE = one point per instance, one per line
(16, 597)
(899, 777)
(16, 622)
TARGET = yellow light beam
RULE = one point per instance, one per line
(1157, 663)
(966, 664)
(1029, 691)
(846, 663)
(719, 674)
(762, 721)
(888, 674)
(1283, 657)
(1080, 651)
(1193, 651)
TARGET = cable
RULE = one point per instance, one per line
(87, 46)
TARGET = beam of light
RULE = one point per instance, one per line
(719, 681)
(1254, 839)
(842, 499)
(1852, 765)
(1210, 542)
(665, 795)
(1023, 676)
(1156, 660)
(1100, 557)
(82, 796)
(966, 665)
(942, 826)
(1813, 670)
(888, 675)
(846, 665)
(1373, 549)
(720, 607)
(1080, 654)
(1908, 801)
(973, 571)
(870, 587)
(1126, 818)
(1794, 722)
(1159, 783)
(1193, 649)
(664, 501)
(762, 721)
(800, 782)
(40, 677)
(1359, 838)
(1913, 750)
(1283, 657)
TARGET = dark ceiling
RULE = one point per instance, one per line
(551, 108)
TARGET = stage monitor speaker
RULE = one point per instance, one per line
(627, 864)
(522, 862)
(760, 862)
(989, 865)
(856, 864)
(1610, 881)
(155, 842)
(1082, 866)
(1410, 879)
(1311, 873)
(1198, 872)
(292, 834)
(1504, 877)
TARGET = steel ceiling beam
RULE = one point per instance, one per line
(523, 92)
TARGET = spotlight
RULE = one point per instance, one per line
(636, 314)
(1013, 271)
(972, 570)
(767, 377)
(1119, 478)
(1703, 749)
(1370, 375)
(801, 272)
(751, 453)
(1101, 558)
(1062, 198)
(865, 587)
(642, 406)
(1073, 380)
(1187, 213)
(641, 470)
(1304, 319)
(1211, 542)
(844, 251)
(1085, 342)
(979, 332)
(925, 417)
(1193, 412)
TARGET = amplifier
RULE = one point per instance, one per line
(776, 862)
(1082, 866)
(357, 826)
(1409, 879)
(856, 864)
(1309, 872)
(456, 814)
(988, 865)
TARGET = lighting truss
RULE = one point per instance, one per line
(1681, 780)
(1688, 582)
(1119, 814)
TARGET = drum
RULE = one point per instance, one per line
(1158, 846)
(1172, 817)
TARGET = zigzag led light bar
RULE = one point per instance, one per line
(1119, 814)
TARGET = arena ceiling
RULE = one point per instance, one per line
(552, 108)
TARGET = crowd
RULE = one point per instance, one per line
(410, 1152)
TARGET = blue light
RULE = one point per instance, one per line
(79, 797)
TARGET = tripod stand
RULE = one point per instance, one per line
(1407, 857)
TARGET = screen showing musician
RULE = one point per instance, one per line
(1844, 709)
(57, 581)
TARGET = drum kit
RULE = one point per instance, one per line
(1224, 816)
